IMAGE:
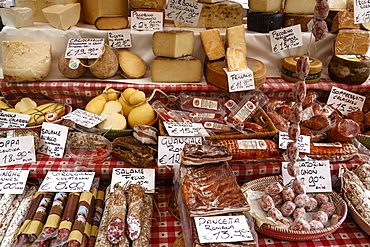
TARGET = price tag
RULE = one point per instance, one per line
(345, 101)
(17, 150)
(145, 20)
(53, 139)
(84, 118)
(303, 142)
(13, 181)
(244, 3)
(361, 11)
(169, 149)
(223, 229)
(286, 38)
(185, 129)
(13, 120)
(85, 48)
(119, 39)
(184, 11)
(315, 174)
(140, 176)
(240, 80)
(67, 181)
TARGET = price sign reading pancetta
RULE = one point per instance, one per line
(303, 142)
(240, 80)
(67, 181)
(184, 11)
(88, 48)
(145, 20)
(17, 150)
(84, 118)
(140, 176)
(223, 229)
(185, 129)
(13, 120)
(119, 39)
(345, 101)
(13, 181)
(169, 149)
(53, 139)
(286, 38)
(315, 174)
(361, 11)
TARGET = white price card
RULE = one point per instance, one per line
(303, 142)
(169, 149)
(185, 129)
(146, 20)
(13, 181)
(53, 139)
(244, 3)
(141, 176)
(345, 101)
(223, 229)
(119, 39)
(315, 174)
(240, 80)
(13, 120)
(286, 38)
(17, 150)
(67, 181)
(89, 48)
(184, 11)
(361, 11)
(84, 118)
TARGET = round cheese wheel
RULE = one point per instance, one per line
(289, 65)
(264, 22)
(295, 19)
(349, 69)
(215, 74)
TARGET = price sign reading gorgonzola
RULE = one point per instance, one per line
(286, 38)
(183, 11)
(88, 48)
(345, 101)
(67, 181)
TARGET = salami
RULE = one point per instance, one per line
(344, 130)
(134, 212)
(117, 214)
(101, 237)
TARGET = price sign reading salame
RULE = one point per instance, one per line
(184, 11)
(67, 181)
(88, 48)
(286, 38)
(140, 176)
(17, 150)
(53, 139)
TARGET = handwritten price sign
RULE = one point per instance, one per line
(145, 20)
(185, 129)
(119, 39)
(140, 176)
(13, 120)
(183, 11)
(345, 101)
(240, 80)
(13, 181)
(67, 182)
(84, 118)
(286, 38)
(85, 48)
(361, 11)
(17, 150)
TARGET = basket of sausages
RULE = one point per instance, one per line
(289, 213)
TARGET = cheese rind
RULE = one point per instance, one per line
(264, 5)
(299, 6)
(173, 43)
(349, 69)
(352, 41)
(148, 4)
(25, 61)
(132, 65)
(38, 5)
(63, 16)
(295, 19)
(184, 69)
(344, 19)
(235, 38)
(17, 17)
(92, 9)
(213, 44)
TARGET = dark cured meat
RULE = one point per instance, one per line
(344, 130)
(317, 122)
(193, 154)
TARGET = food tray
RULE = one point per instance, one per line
(290, 235)
(361, 222)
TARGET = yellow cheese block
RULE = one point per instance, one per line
(183, 69)
(299, 6)
(63, 16)
(264, 5)
(289, 66)
(173, 43)
(352, 41)
(17, 17)
(344, 19)
(349, 69)
(337, 4)
(215, 74)
(92, 9)
(131, 65)
(235, 38)
(213, 44)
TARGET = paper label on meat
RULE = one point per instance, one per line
(252, 144)
(217, 126)
(245, 111)
(205, 104)
(328, 144)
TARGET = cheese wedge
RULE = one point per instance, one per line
(235, 38)
(352, 41)
(17, 17)
(236, 60)
(299, 6)
(63, 16)
(264, 5)
(213, 44)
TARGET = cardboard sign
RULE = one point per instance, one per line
(84, 118)
(67, 181)
(89, 48)
(184, 11)
(17, 150)
(240, 80)
(185, 129)
(361, 11)
(169, 149)
(53, 139)
(13, 181)
(119, 39)
(13, 120)
(286, 38)
(140, 176)
(303, 142)
(345, 101)
(315, 174)
(146, 20)
(223, 229)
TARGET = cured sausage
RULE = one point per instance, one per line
(101, 237)
(117, 215)
(134, 212)
(317, 123)
(344, 130)
(144, 238)
(299, 91)
(336, 151)
(302, 68)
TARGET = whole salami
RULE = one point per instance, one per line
(134, 212)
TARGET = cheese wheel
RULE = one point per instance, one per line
(264, 22)
(349, 69)
(295, 19)
(215, 74)
(111, 22)
(131, 65)
(289, 65)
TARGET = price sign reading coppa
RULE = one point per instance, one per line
(223, 229)
(184, 11)
(67, 181)
(345, 101)
(286, 38)
(140, 176)
(89, 48)
(17, 150)
(13, 181)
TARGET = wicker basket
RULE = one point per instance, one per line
(364, 139)
(290, 235)
(361, 222)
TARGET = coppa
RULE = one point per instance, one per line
(9, 143)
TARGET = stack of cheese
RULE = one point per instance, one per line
(265, 15)
(233, 56)
(350, 63)
(173, 61)
(218, 14)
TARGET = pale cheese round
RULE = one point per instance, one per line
(132, 65)
(289, 66)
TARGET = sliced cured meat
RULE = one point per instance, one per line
(194, 154)
(344, 130)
